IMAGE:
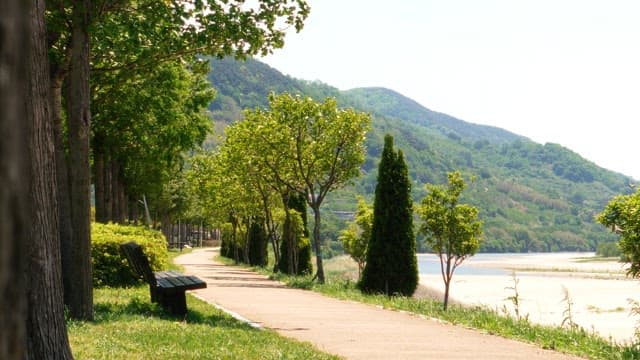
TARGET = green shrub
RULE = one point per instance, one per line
(257, 244)
(110, 267)
(608, 249)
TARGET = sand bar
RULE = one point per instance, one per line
(598, 291)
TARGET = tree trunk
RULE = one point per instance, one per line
(134, 213)
(317, 244)
(122, 200)
(64, 199)
(108, 202)
(79, 121)
(98, 180)
(446, 294)
(115, 175)
(14, 187)
(47, 336)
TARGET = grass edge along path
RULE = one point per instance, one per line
(128, 326)
(578, 341)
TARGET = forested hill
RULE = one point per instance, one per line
(386, 102)
(532, 197)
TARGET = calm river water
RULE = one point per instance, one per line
(430, 264)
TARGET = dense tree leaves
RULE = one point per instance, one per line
(622, 216)
(355, 238)
(391, 267)
(323, 150)
(144, 126)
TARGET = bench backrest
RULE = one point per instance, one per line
(138, 261)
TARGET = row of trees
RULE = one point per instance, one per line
(275, 161)
(131, 49)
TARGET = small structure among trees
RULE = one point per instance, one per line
(451, 229)
(392, 266)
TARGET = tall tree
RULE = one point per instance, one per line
(80, 291)
(14, 187)
(47, 336)
(134, 36)
(452, 229)
(320, 146)
(392, 266)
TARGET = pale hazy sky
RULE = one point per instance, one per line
(562, 71)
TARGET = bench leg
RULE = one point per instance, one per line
(175, 302)
(155, 294)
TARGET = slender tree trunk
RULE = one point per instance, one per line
(122, 201)
(79, 122)
(64, 199)
(317, 244)
(14, 187)
(98, 180)
(46, 329)
(108, 202)
(115, 206)
(446, 294)
(134, 211)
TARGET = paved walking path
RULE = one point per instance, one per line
(349, 329)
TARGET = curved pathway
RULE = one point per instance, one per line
(349, 329)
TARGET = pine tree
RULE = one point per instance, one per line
(392, 266)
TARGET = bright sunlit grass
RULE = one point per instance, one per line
(128, 326)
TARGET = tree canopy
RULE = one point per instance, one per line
(451, 229)
(622, 216)
(391, 267)
(355, 238)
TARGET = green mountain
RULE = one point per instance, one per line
(531, 197)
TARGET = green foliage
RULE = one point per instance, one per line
(622, 215)
(355, 238)
(608, 249)
(296, 225)
(391, 267)
(516, 187)
(579, 342)
(257, 244)
(110, 267)
(451, 229)
(227, 245)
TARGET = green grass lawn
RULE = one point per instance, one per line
(128, 326)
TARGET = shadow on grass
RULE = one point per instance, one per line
(138, 305)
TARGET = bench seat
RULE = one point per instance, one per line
(166, 288)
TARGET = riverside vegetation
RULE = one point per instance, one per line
(340, 284)
(530, 196)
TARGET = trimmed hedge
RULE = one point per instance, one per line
(110, 267)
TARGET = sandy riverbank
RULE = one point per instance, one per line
(598, 290)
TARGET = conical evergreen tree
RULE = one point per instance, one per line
(392, 267)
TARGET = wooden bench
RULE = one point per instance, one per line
(167, 288)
